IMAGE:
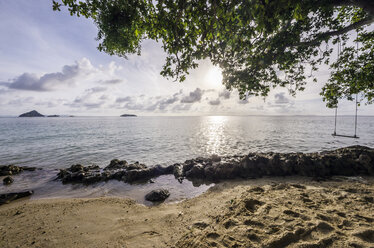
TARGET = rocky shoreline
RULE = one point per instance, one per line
(348, 161)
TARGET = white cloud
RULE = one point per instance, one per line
(51, 81)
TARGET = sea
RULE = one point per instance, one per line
(53, 143)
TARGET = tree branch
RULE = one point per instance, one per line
(324, 36)
(367, 5)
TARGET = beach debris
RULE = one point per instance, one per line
(7, 198)
(7, 180)
(157, 195)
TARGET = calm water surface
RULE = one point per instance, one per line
(52, 143)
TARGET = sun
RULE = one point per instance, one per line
(214, 77)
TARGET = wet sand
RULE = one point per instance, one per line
(267, 212)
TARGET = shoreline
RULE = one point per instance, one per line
(187, 179)
(266, 212)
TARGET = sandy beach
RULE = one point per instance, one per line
(267, 212)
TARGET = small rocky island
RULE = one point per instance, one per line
(33, 113)
(128, 115)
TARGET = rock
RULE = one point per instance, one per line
(7, 180)
(118, 170)
(128, 115)
(157, 195)
(366, 161)
(349, 161)
(116, 164)
(197, 171)
(76, 168)
(33, 113)
(7, 170)
(215, 158)
(135, 175)
(135, 166)
(7, 198)
(178, 170)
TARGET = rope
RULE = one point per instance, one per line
(356, 86)
(336, 114)
(356, 116)
(336, 108)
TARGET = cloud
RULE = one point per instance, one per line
(194, 96)
(21, 101)
(95, 90)
(104, 97)
(134, 106)
(280, 98)
(281, 103)
(123, 99)
(215, 102)
(111, 81)
(164, 103)
(181, 107)
(51, 81)
(93, 105)
(225, 94)
(48, 104)
(160, 103)
(90, 99)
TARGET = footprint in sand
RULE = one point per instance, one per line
(252, 204)
(366, 235)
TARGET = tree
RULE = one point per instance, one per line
(258, 44)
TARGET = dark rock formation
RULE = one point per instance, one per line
(33, 113)
(6, 170)
(157, 195)
(349, 161)
(118, 170)
(8, 180)
(128, 115)
(7, 198)
(53, 116)
(116, 164)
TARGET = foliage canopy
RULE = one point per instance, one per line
(258, 44)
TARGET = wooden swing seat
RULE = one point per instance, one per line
(346, 136)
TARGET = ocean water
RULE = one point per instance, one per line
(53, 143)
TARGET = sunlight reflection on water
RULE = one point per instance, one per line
(214, 134)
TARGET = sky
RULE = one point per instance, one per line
(49, 62)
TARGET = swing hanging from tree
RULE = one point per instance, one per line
(336, 108)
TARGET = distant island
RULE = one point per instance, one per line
(33, 113)
(128, 115)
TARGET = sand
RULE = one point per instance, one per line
(269, 212)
